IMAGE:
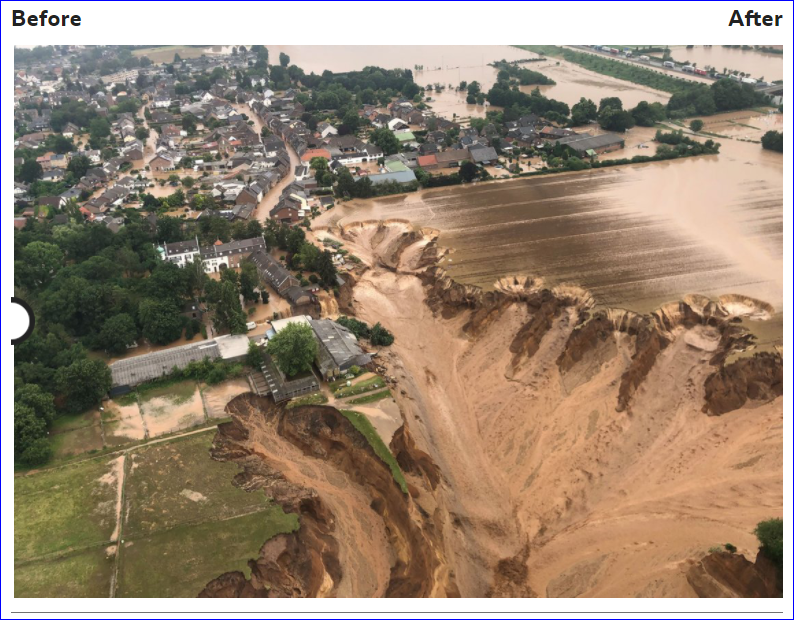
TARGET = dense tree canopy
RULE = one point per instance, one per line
(773, 141)
(293, 348)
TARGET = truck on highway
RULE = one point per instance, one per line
(644, 59)
(701, 72)
(668, 64)
(688, 69)
(749, 80)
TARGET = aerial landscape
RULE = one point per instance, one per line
(399, 321)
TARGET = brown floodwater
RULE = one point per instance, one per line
(450, 64)
(635, 236)
(574, 82)
(757, 64)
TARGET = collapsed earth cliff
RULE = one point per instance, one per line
(551, 448)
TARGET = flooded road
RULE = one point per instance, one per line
(636, 237)
(270, 199)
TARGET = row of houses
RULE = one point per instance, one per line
(216, 257)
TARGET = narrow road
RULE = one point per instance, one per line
(270, 199)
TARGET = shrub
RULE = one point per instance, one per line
(380, 336)
(770, 536)
(730, 548)
(696, 125)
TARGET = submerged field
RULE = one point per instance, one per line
(98, 527)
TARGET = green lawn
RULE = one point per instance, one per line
(318, 398)
(185, 523)
(365, 427)
(188, 557)
(83, 574)
(176, 482)
(370, 398)
(65, 508)
(373, 383)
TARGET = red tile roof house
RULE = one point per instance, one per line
(427, 162)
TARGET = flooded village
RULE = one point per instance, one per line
(397, 286)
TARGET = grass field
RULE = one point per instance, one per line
(365, 427)
(189, 557)
(367, 385)
(83, 574)
(176, 482)
(165, 53)
(72, 507)
(370, 398)
(184, 523)
(318, 398)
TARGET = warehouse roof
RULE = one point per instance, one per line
(142, 368)
(403, 176)
(338, 347)
(584, 143)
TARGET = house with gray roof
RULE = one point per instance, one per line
(338, 349)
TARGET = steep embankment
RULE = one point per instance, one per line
(574, 454)
(359, 534)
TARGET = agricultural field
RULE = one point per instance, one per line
(166, 504)
(165, 53)
(65, 526)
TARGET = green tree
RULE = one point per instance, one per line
(62, 145)
(229, 313)
(293, 348)
(161, 322)
(83, 383)
(117, 333)
(696, 125)
(40, 402)
(326, 269)
(615, 120)
(386, 140)
(295, 239)
(308, 256)
(30, 437)
(773, 141)
(99, 129)
(643, 114)
(254, 356)
(78, 166)
(41, 262)
(30, 171)
(283, 59)
(380, 336)
(468, 171)
(249, 281)
(610, 102)
(583, 112)
(770, 537)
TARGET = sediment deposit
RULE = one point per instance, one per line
(552, 448)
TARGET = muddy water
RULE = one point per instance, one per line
(441, 64)
(636, 236)
(757, 64)
(574, 82)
